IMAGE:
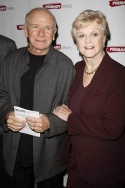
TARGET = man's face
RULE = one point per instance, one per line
(40, 31)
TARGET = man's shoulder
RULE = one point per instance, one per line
(6, 39)
(58, 55)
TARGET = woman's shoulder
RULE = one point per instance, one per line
(113, 63)
(79, 65)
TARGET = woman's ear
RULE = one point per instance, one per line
(104, 41)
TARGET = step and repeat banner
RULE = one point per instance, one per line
(12, 16)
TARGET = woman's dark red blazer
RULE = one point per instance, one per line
(100, 126)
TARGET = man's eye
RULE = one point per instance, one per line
(34, 26)
(48, 28)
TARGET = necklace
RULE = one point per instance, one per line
(90, 72)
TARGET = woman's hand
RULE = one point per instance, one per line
(62, 112)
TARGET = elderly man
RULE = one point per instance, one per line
(36, 78)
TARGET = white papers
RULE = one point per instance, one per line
(22, 114)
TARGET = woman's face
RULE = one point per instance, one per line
(90, 40)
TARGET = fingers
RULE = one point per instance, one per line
(65, 106)
(40, 124)
(33, 123)
(36, 124)
(62, 112)
(61, 109)
(14, 123)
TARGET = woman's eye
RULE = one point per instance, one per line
(95, 34)
(80, 36)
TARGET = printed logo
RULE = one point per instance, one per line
(4, 8)
(57, 47)
(52, 6)
(116, 3)
(115, 49)
(20, 27)
(56, 6)
(60, 47)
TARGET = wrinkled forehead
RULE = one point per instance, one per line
(41, 16)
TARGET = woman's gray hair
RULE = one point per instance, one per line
(89, 16)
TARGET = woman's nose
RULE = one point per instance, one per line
(87, 39)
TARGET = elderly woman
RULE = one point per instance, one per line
(95, 148)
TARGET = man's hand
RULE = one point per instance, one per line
(40, 124)
(14, 123)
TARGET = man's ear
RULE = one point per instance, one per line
(25, 30)
(54, 35)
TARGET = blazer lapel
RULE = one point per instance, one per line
(96, 82)
(75, 82)
(94, 86)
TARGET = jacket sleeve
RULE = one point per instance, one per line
(58, 126)
(5, 103)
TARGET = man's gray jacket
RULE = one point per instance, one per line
(51, 87)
